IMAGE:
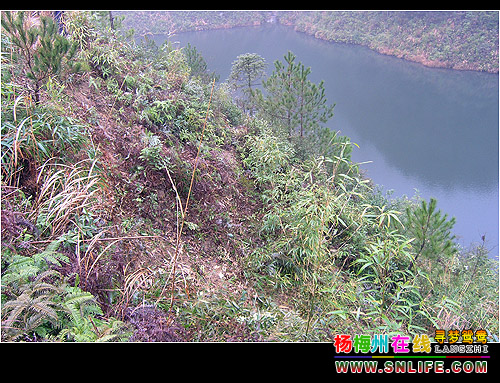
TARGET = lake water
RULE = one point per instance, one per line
(426, 129)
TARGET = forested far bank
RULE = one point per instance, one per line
(456, 40)
(462, 40)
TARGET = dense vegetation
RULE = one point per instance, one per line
(170, 22)
(452, 39)
(142, 202)
(466, 40)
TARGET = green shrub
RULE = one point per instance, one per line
(151, 153)
(268, 157)
(160, 113)
(389, 285)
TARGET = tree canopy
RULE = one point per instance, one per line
(247, 69)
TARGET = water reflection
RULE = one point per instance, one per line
(437, 134)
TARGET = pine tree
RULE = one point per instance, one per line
(44, 50)
(198, 65)
(246, 70)
(279, 105)
(294, 101)
(432, 232)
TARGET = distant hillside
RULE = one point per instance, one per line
(449, 39)
(164, 22)
(139, 202)
(458, 40)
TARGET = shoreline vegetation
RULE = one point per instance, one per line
(460, 40)
(142, 200)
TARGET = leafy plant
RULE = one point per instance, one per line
(35, 300)
(80, 29)
(84, 325)
(389, 284)
(103, 60)
(268, 157)
(151, 153)
(160, 112)
(31, 136)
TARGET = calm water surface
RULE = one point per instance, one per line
(426, 129)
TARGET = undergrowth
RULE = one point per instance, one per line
(139, 203)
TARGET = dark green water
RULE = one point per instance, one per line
(426, 129)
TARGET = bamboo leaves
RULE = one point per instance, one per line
(31, 137)
(388, 283)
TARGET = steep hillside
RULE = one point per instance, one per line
(122, 243)
(140, 203)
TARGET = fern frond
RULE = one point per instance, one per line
(113, 330)
(20, 269)
(79, 304)
(16, 308)
(27, 313)
(76, 297)
(50, 255)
